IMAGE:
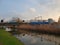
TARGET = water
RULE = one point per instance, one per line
(34, 39)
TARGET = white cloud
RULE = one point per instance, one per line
(32, 10)
(45, 8)
(50, 8)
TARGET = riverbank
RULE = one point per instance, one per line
(7, 39)
(42, 28)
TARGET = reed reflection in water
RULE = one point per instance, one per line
(31, 39)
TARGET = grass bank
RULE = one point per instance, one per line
(7, 39)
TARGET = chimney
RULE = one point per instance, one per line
(59, 20)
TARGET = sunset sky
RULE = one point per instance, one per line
(29, 9)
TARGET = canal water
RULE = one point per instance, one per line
(38, 39)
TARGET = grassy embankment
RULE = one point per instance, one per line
(7, 39)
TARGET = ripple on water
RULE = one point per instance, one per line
(38, 39)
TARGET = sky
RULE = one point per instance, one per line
(29, 9)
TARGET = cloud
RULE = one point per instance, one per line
(29, 14)
(45, 8)
(33, 10)
(50, 8)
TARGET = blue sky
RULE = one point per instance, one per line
(29, 9)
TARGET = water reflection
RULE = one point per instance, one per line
(30, 39)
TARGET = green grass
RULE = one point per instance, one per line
(7, 39)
